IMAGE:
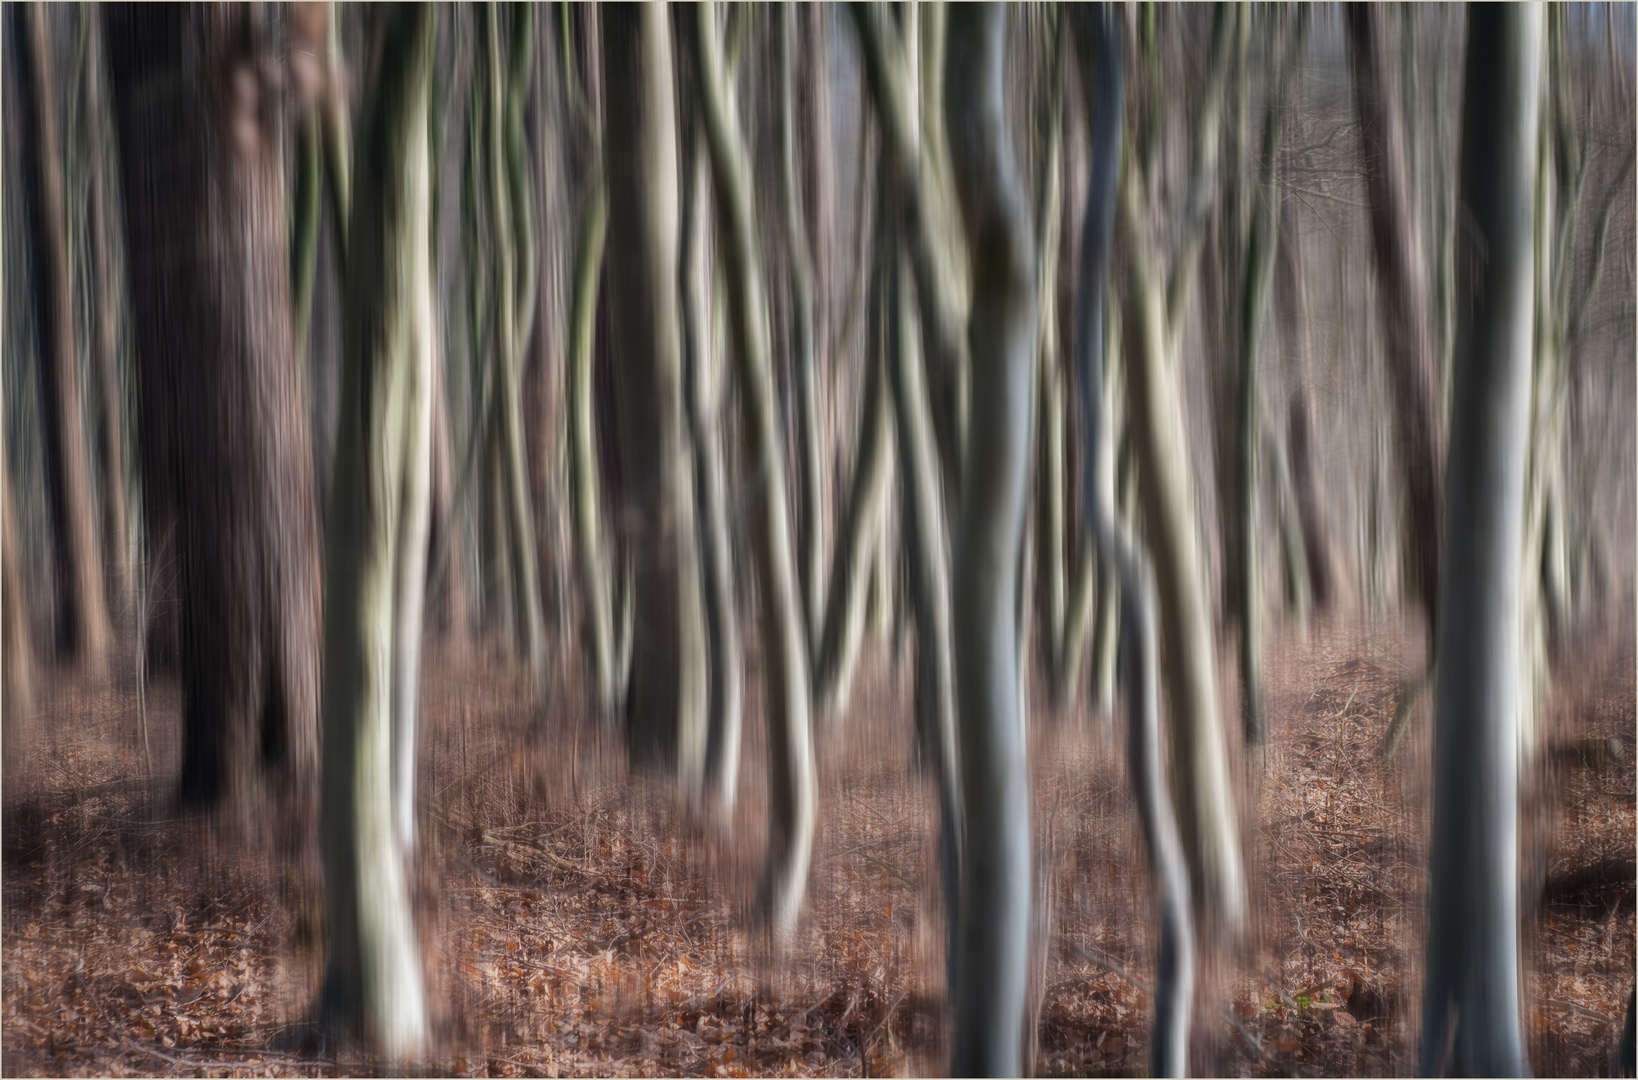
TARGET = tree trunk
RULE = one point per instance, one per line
(704, 396)
(585, 487)
(82, 629)
(792, 774)
(110, 424)
(376, 557)
(224, 417)
(1126, 565)
(804, 319)
(666, 710)
(1407, 326)
(925, 536)
(1472, 953)
(17, 644)
(858, 540)
(993, 922)
(1301, 452)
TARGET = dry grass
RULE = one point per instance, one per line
(575, 923)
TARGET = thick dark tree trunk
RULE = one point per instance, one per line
(669, 696)
(224, 417)
(82, 622)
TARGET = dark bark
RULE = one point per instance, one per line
(223, 409)
(666, 709)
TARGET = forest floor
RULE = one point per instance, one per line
(577, 923)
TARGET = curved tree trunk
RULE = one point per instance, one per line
(792, 774)
(376, 556)
(704, 396)
(585, 486)
(224, 419)
(858, 539)
(1471, 1002)
(666, 709)
(1125, 564)
(1152, 327)
(82, 628)
(994, 917)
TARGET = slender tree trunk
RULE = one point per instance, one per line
(111, 428)
(704, 397)
(17, 643)
(1126, 566)
(1301, 450)
(924, 533)
(1471, 1001)
(1401, 276)
(669, 693)
(585, 486)
(82, 608)
(1152, 328)
(804, 320)
(224, 417)
(858, 540)
(993, 922)
(792, 774)
(376, 556)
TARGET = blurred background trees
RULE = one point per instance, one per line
(665, 353)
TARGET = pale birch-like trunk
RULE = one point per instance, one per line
(373, 975)
(793, 780)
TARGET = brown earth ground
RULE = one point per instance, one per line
(577, 924)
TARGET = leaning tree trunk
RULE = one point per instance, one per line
(82, 608)
(704, 396)
(1126, 565)
(666, 710)
(994, 919)
(1153, 331)
(793, 776)
(224, 419)
(858, 538)
(1470, 1020)
(1407, 326)
(376, 556)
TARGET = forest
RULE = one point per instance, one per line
(818, 540)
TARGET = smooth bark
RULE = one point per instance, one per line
(793, 777)
(376, 556)
(1471, 996)
(994, 918)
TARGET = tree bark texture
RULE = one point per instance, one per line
(225, 451)
(666, 708)
(82, 610)
(1473, 977)
(376, 556)
(994, 917)
(793, 779)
